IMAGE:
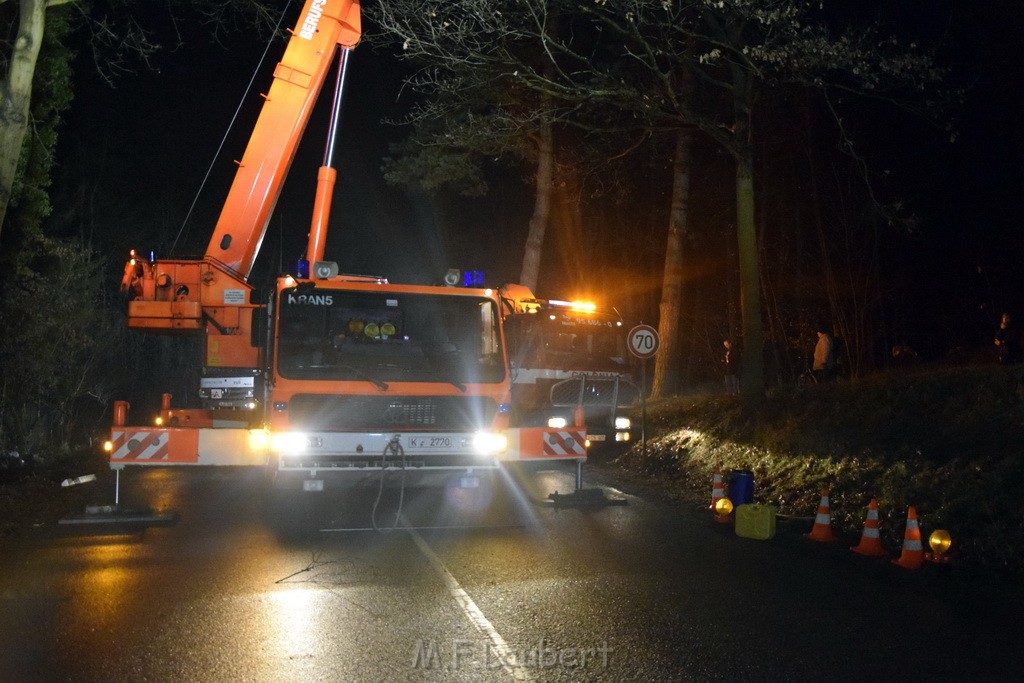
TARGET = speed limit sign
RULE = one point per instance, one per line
(643, 341)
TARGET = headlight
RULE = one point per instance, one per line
(259, 440)
(623, 423)
(285, 443)
(556, 422)
(489, 443)
(622, 436)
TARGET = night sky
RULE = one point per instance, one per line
(160, 131)
(131, 160)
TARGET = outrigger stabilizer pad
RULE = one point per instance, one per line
(584, 498)
(114, 514)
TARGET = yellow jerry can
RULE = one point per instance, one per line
(754, 520)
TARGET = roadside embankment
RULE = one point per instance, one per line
(948, 441)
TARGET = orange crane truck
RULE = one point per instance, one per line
(328, 377)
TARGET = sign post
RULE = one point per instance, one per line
(643, 342)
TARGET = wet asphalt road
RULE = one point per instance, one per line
(245, 588)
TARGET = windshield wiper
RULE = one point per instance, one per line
(379, 383)
(446, 355)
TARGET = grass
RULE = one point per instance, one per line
(950, 442)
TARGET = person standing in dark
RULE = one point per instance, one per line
(824, 354)
(731, 367)
(1008, 341)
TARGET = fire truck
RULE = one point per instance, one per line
(569, 365)
(326, 377)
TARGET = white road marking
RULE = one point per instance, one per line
(498, 644)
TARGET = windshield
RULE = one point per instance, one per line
(381, 337)
(537, 341)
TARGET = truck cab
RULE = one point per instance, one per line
(367, 374)
(568, 357)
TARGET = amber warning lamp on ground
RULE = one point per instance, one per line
(940, 542)
(723, 506)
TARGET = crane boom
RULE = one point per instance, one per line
(324, 27)
(212, 295)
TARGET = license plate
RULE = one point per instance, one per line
(312, 484)
(595, 437)
(429, 443)
(469, 482)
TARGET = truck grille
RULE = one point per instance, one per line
(388, 413)
(595, 392)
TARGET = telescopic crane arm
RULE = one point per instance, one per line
(183, 295)
(324, 27)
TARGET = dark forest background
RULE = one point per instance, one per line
(908, 243)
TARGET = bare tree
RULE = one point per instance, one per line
(477, 106)
(666, 369)
(117, 46)
(16, 90)
(631, 63)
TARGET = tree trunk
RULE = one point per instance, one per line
(16, 95)
(752, 361)
(750, 279)
(666, 367)
(541, 208)
(567, 220)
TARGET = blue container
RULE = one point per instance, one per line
(741, 487)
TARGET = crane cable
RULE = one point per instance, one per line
(394, 447)
(195, 200)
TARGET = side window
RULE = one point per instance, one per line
(522, 338)
(489, 329)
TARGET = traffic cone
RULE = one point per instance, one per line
(822, 529)
(717, 488)
(870, 542)
(913, 552)
(717, 493)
